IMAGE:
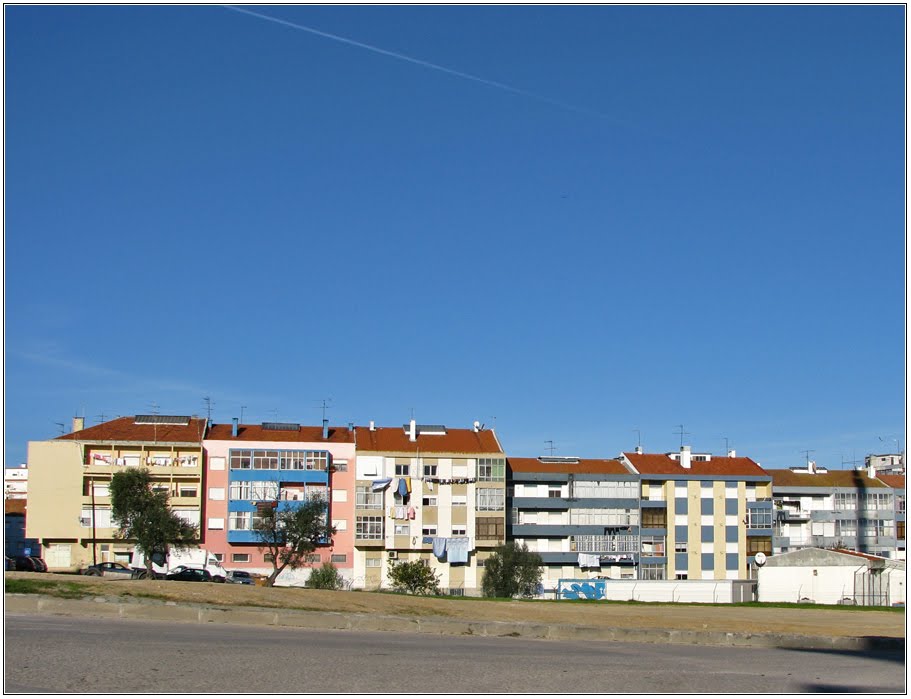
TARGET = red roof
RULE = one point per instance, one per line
(455, 441)
(858, 554)
(893, 481)
(256, 433)
(532, 465)
(125, 429)
(830, 479)
(663, 464)
(15, 506)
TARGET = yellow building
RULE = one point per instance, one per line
(714, 511)
(430, 493)
(69, 509)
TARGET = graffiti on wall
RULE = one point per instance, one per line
(581, 589)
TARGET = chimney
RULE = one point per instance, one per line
(372, 426)
(686, 457)
(639, 449)
(412, 431)
(871, 472)
(78, 424)
(233, 426)
(811, 466)
(351, 427)
(325, 428)
(477, 426)
(732, 453)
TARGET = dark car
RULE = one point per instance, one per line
(189, 574)
(40, 565)
(240, 577)
(25, 563)
(109, 570)
(10, 563)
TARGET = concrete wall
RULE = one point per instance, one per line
(706, 591)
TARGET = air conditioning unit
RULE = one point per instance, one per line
(392, 555)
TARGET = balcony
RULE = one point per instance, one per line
(793, 515)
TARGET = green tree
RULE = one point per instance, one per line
(512, 570)
(142, 515)
(415, 577)
(290, 533)
(326, 578)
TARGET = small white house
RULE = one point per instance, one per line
(836, 576)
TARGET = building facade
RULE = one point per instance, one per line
(429, 493)
(283, 462)
(581, 516)
(15, 482)
(713, 512)
(819, 508)
(69, 483)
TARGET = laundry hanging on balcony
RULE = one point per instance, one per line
(402, 488)
(381, 484)
(589, 560)
(457, 549)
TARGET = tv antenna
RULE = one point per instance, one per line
(551, 448)
(681, 433)
(806, 453)
(638, 438)
(61, 426)
(727, 448)
(208, 402)
(853, 463)
(325, 404)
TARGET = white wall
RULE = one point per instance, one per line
(792, 583)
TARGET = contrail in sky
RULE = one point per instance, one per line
(425, 64)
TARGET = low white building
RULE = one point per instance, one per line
(832, 577)
(15, 482)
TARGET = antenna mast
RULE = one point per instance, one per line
(551, 448)
(681, 432)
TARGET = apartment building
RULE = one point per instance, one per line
(430, 493)
(69, 508)
(284, 462)
(15, 482)
(581, 516)
(897, 483)
(822, 508)
(714, 513)
(886, 464)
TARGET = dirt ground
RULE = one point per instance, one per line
(824, 621)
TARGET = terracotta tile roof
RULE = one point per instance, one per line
(125, 429)
(256, 433)
(15, 506)
(648, 464)
(893, 481)
(455, 441)
(519, 464)
(849, 552)
(831, 479)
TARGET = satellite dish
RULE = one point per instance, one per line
(760, 559)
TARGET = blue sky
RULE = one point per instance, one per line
(615, 219)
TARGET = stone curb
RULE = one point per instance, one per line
(110, 608)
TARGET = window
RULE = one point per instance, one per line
(605, 516)
(341, 525)
(491, 469)
(366, 499)
(613, 489)
(339, 557)
(253, 490)
(554, 492)
(759, 544)
(458, 531)
(900, 529)
(430, 470)
(490, 499)
(429, 501)
(654, 518)
(402, 529)
(373, 562)
(285, 459)
(216, 493)
(239, 520)
(429, 530)
(268, 558)
(845, 527)
(652, 571)
(368, 528)
(490, 528)
(240, 557)
(682, 576)
(311, 558)
(401, 469)
(340, 466)
(216, 523)
(652, 546)
(845, 501)
(188, 491)
(218, 557)
(594, 543)
(679, 547)
(759, 519)
(217, 463)
(459, 500)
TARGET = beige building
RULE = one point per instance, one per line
(70, 476)
(430, 493)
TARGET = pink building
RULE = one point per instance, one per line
(246, 464)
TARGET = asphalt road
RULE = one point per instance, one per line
(65, 654)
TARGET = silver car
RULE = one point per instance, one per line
(109, 570)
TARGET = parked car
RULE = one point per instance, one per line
(117, 571)
(25, 563)
(40, 565)
(10, 563)
(240, 577)
(190, 574)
